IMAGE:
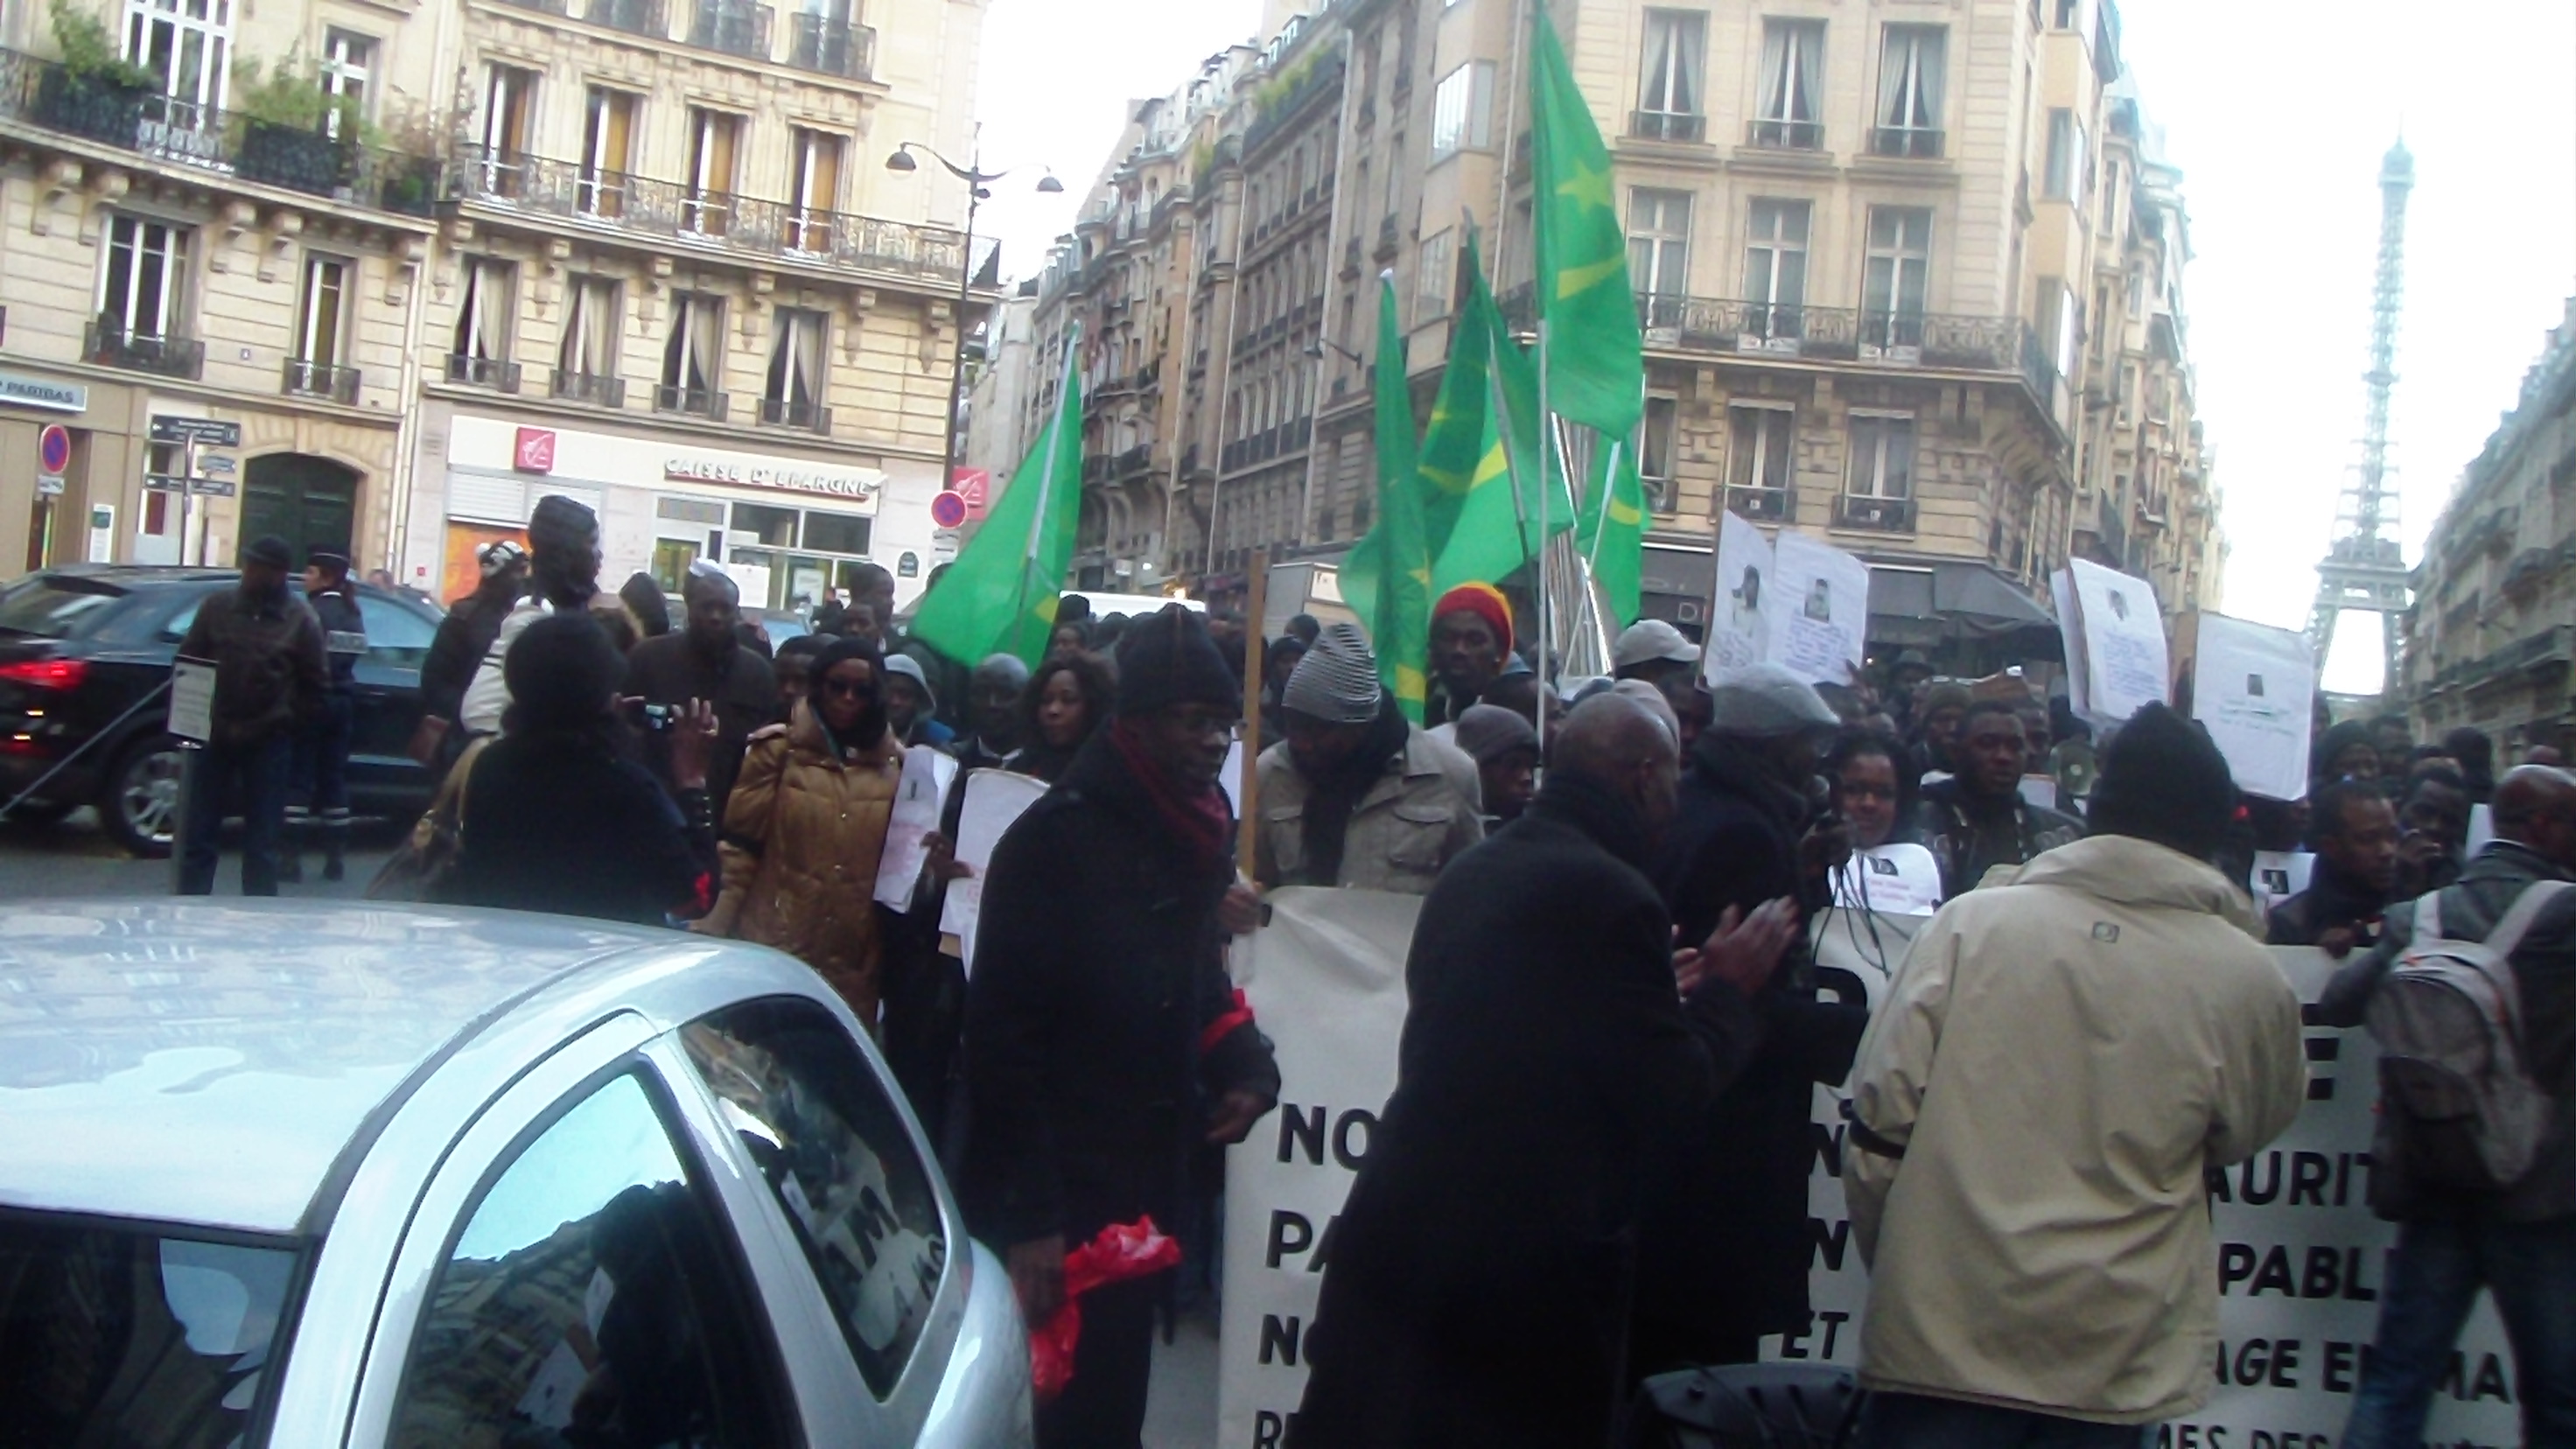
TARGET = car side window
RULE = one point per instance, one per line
(833, 1148)
(176, 628)
(590, 1298)
(397, 638)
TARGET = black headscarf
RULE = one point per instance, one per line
(1332, 796)
(871, 726)
(651, 608)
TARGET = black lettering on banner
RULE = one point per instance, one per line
(2274, 1275)
(2235, 1264)
(2285, 1364)
(1301, 1124)
(1279, 1338)
(2191, 1436)
(1833, 1323)
(2490, 1383)
(1793, 1344)
(2292, 1439)
(2340, 1362)
(1831, 1241)
(1324, 1247)
(1290, 1233)
(1343, 1152)
(2265, 1195)
(1828, 1145)
(2309, 1174)
(1268, 1430)
(2324, 1278)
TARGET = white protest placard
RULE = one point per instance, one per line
(2301, 1265)
(1231, 776)
(1817, 610)
(1896, 879)
(1737, 634)
(2279, 875)
(1326, 982)
(2252, 687)
(994, 798)
(2481, 828)
(2123, 642)
(2070, 634)
(192, 699)
(918, 799)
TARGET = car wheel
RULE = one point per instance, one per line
(38, 814)
(140, 805)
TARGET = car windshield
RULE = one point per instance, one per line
(53, 606)
(135, 1334)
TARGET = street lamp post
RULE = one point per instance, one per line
(977, 180)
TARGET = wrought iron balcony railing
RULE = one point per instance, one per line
(1762, 505)
(597, 389)
(808, 417)
(668, 212)
(1667, 126)
(48, 95)
(1883, 515)
(491, 372)
(1921, 142)
(111, 343)
(731, 27)
(831, 47)
(306, 378)
(1784, 135)
(635, 17)
(695, 402)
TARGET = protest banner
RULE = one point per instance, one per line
(2301, 1261)
(2114, 633)
(1325, 979)
(1817, 611)
(2252, 686)
(1737, 636)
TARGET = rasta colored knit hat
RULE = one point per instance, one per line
(1337, 680)
(1485, 602)
(1168, 658)
(2163, 780)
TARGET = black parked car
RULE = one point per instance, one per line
(84, 647)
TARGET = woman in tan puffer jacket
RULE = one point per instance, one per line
(806, 823)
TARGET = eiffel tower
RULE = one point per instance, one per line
(2364, 569)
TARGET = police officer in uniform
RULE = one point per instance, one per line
(321, 796)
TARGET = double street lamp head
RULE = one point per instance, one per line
(901, 161)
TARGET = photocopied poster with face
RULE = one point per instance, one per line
(2124, 642)
(1737, 635)
(918, 799)
(2070, 633)
(994, 798)
(1817, 605)
(2251, 686)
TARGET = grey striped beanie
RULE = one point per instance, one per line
(1337, 680)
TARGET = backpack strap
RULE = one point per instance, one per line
(2517, 919)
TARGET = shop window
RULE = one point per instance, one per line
(836, 532)
(775, 527)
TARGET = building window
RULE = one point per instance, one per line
(509, 117)
(1659, 245)
(481, 354)
(1434, 278)
(708, 209)
(2061, 323)
(607, 151)
(1655, 435)
(693, 360)
(1896, 276)
(1462, 110)
(1882, 456)
(348, 60)
(143, 292)
(586, 364)
(793, 396)
(814, 189)
(321, 318)
(186, 46)
(1669, 105)
(1793, 72)
(1761, 441)
(2065, 155)
(1775, 267)
(1909, 91)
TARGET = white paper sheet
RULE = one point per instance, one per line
(994, 798)
(2279, 875)
(1232, 777)
(1737, 635)
(192, 699)
(2124, 642)
(2070, 633)
(1817, 610)
(1892, 880)
(918, 799)
(2253, 686)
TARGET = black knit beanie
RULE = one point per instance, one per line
(561, 522)
(561, 671)
(1167, 659)
(2162, 780)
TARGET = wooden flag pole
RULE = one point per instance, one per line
(1247, 830)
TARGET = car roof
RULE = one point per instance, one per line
(131, 576)
(207, 1062)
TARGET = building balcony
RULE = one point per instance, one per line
(544, 7)
(1919, 142)
(831, 47)
(635, 17)
(1930, 340)
(804, 417)
(1135, 462)
(111, 343)
(593, 388)
(692, 402)
(1876, 515)
(1786, 135)
(669, 217)
(306, 378)
(489, 372)
(1763, 505)
(1667, 126)
(731, 27)
(47, 96)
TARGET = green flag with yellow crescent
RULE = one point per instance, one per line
(999, 596)
(1386, 580)
(1595, 355)
(1496, 531)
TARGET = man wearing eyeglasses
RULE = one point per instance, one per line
(1357, 796)
(1103, 1041)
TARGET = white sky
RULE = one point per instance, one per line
(2277, 113)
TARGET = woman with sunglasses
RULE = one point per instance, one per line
(806, 823)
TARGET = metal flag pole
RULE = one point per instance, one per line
(1067, 410)
(1547, 452)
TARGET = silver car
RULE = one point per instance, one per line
(290, 1174)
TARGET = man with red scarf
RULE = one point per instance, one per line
(1104, 1043)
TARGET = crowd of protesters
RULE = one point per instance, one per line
(1595, 1166)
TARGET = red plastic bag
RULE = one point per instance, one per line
(1121, 1252)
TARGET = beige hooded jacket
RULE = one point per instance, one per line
(2059, 1059)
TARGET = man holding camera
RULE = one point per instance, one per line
(703, 661)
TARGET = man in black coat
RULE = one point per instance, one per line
(1104, 1043)
(1481, 1271)
(1730, 1238)
(704, 661)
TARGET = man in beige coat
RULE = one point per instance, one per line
(1357, 796)
(2055, 1067)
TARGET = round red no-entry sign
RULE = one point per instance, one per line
(54, 448)
(947, 509)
